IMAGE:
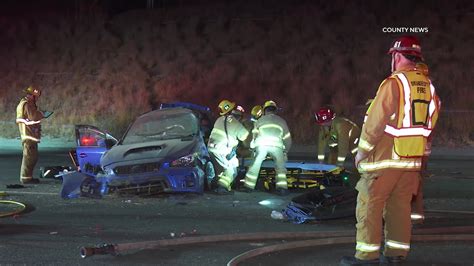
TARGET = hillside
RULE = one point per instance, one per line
(104, 69)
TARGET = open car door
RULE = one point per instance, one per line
(91, 144)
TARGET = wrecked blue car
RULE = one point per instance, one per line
(162, 151)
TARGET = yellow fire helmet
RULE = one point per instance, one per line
(225, 106)
(33, 91)
(269, 104)
(256, 112)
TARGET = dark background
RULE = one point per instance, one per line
(104, 62)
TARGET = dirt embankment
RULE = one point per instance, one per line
(104, 69)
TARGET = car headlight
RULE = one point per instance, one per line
(185, 161)
(108, 171)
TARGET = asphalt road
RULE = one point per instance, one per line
(53, 233)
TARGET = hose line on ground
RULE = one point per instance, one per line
(20, 209)
(115, 249)
(333, 241)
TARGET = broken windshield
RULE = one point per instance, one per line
(162, 125)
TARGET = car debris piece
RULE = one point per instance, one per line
(320, 204)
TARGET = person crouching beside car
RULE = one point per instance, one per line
(223, 142)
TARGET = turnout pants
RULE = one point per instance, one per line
(418, 210)
(385, 194)
(226, 170)
(279, 159)
(30, 158)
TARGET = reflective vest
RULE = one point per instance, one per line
(272, 130)
(28, 119)
(417, 114)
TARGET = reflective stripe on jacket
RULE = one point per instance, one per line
(28, 118)
(223, 143)
(417, 114)
(272, 130)
(399, 121)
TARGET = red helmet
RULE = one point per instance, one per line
(409, 45)
(324, 115)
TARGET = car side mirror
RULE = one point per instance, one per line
(109, 143)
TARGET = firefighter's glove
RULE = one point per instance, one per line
(47, 114)
(232, 154)
(252, 144)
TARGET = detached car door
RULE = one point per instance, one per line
(91, 144)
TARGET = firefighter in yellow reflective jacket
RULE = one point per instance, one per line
(244, 150)
(28, 118)
(223, 141)
(337, 134)
(393, 142)
(271, 137)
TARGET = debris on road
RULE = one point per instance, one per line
(15, 186)
(276, 215)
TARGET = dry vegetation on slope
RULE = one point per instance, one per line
(105, 69)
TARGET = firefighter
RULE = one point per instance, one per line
(245, 151)
(271, 137)
(223, 141)
(337, 134)
(28, 118)
(392, 144)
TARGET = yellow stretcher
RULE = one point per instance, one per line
(304, 175)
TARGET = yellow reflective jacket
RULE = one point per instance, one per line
(28, 118)
(343, 135)
(399, 122)
(223, 142)
(271, 130)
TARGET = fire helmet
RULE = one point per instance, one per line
(324, 115)
(407, 45)
(32, 91)
(256, 112)
(225, 106)
(269, 104)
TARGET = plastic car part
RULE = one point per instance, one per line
(54, 172)
(145, 189)
(91, 188)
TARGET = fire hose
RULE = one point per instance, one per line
(333, 241)
(20, 209)
(324, 238)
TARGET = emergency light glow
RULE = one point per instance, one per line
(87, 141)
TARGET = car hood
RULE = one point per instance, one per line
(165, 149)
